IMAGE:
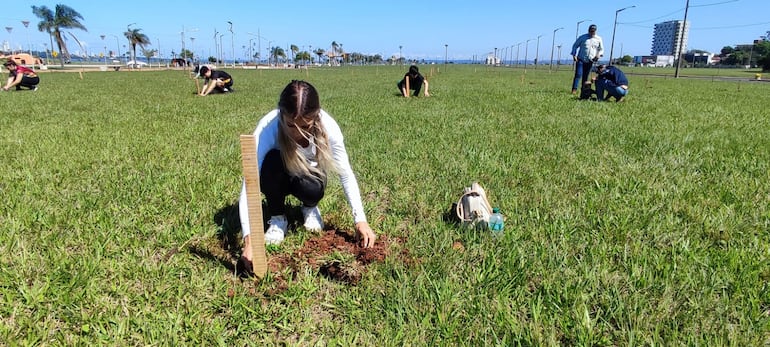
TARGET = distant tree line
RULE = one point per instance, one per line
(755, 54)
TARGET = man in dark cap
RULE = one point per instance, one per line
(586, 50)
(612, 80)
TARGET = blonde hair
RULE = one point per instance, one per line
(300, 100)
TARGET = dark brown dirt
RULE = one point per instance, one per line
(335, 254)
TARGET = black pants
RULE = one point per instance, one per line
(416, 87)
(276, 183)
(29, 82)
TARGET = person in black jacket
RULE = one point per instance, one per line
(216, 81)
(414, 80)
(612, 80)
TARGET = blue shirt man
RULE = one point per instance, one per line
(611, 80)
(586, 50)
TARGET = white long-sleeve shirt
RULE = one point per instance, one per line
(588, 47)
(266, 135)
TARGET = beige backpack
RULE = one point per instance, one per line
(473, 208)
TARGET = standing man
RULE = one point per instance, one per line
(613, 81)
(586, 50)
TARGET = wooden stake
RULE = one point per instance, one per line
(254, 197)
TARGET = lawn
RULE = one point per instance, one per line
(636, 223)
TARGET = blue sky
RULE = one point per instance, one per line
(421, 27)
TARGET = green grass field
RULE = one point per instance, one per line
(636, 223)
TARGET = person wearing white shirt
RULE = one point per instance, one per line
(298, 145)
(587, 49)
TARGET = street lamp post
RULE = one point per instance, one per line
(577, 33)
(29, 46)
(537, 50)
(251, 54)
(192, 48)
(222, 49)
(104, 52)
(526, 52)
(446, 50)
(117, 43)
(577, 28)
(615, 26)
(399, 55)
(518, 47)
(10, 29)
(232, 41)
(681, 40)
(553, 41)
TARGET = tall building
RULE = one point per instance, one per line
(665, 39)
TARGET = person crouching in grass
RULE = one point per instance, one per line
(20, 76)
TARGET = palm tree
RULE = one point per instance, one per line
(335, 49)
(52, 23)
(136, 38)
(320, 52)
(276, 52)
(294, 49)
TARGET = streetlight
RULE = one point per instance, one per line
(446, 49)
(221, 49)
(182, 53)
(577, 31)
(615, 26)
(10, 29)
(681, 38)
(259, 44)
(577, 28)
(537, 50)
(526, 52)
(192, 44)
(251, 45)
(104, 52)
(399, 54)
(232, 42)
(29, 46)
(117, 43)
(518, 46)
(553, 41)
(216, 45)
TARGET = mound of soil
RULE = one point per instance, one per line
(334, 254)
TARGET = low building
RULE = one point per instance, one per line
(654, 60)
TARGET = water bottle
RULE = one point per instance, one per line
(496, 222)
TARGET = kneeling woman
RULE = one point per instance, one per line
(298, 145)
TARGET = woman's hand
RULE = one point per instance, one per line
(366, 235)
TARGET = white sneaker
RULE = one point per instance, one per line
(276, 231)
(313, 221)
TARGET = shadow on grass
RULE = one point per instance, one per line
(226, 247)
